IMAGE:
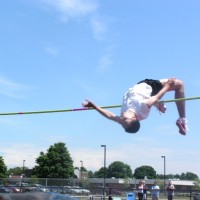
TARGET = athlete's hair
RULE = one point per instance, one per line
(134, 127)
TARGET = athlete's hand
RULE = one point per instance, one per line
(88, 103)
(171, 81)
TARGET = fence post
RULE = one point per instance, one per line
(91, 197)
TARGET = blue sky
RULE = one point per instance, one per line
(56, 53)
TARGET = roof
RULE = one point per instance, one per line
(183, 182)
(147, 181)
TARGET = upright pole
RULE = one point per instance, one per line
(22, 176)
(104, 177)
(81, 175)
(23, 169)
(164, 178)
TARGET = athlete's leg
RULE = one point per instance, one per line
(178, 87)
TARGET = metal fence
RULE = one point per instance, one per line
(85, 190)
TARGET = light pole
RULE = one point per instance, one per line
(22, 176)
(81, 169)
(164, 171)
(104, 172)
(23, 169)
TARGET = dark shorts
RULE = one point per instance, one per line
(155, 84)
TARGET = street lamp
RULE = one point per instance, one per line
(164, 170)
(22, 176)
(23, 168)
(104, 177)
(81, 169)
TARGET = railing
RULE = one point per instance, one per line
(111, 193)
(93, 192)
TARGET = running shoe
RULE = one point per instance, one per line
(182, 125)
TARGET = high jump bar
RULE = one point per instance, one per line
(88, 108)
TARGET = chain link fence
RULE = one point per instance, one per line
(84, 189)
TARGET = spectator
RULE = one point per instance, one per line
(145, 188)
(140, 190)
(155, 191)
(170, 190)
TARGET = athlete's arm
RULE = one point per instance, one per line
(104, 112)
(152, 100)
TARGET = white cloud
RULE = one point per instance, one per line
(81, 9)
(93, 158)
(104, 63)
(136, 155)
(84, 10)
(99, 27)
(11, 89)
(72, 8)
(14, 154)
(106, 60)
(52, 51)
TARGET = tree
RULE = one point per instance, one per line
(144, 171)
(83, 169)
(56, 163)
(16, 171)
(176, 176)
(100, 173)
(183, 176)
(3, 168)
(197, 185)
(188, 176)
(119, 169)
(90, 174)
(167, 176)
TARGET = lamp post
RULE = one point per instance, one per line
(81, 169)
(164, 171)
(22, 176)
(104, 177)
(23, 169)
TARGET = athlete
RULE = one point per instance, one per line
(139, 99)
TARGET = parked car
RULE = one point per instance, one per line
(22, 184)
(56, 189)
(25, 187)
(75, 190)
(86, 191)
(5, 190)
(66, 190)
(14, 188)
(40, 187)
(196, 196)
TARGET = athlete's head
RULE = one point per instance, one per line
(133, 127)
(130, 122)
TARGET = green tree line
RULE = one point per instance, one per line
(57, 163)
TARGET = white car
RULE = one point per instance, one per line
(41, 187)
(75, 190)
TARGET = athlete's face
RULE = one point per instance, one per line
(127, 119)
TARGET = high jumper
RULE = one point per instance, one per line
(139, 99)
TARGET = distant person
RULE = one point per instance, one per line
(139, 99)
(145, 189)
(140, 190)
(155, 191)
(110, 197)
(170, 190)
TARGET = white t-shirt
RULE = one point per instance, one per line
(135, 100)
(140, 189)
(155, 190)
